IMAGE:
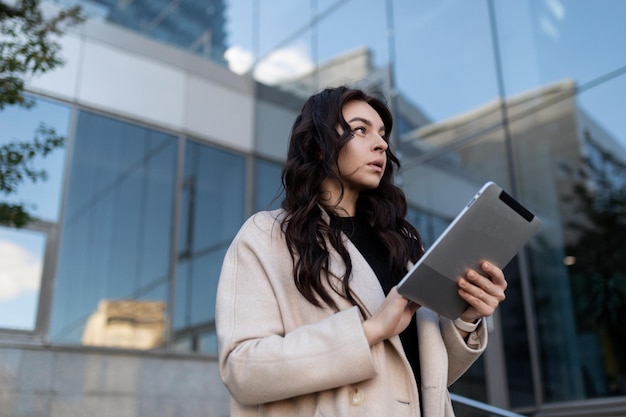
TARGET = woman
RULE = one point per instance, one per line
(308, 318)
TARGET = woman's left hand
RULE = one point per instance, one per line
(483, 291)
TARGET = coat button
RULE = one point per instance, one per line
(356, 397)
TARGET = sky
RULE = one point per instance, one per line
(21, 263)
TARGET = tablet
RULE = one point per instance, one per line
(492, 227)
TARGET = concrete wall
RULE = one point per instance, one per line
(67, 382)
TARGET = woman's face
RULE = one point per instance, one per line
(362, 160)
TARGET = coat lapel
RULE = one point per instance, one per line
(364, 284)
(366, 288)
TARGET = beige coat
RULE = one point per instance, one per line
(281, 356)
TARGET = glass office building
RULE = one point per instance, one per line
(177, 115)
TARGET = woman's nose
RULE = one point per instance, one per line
(381, 144)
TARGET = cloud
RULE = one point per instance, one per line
(283, 64)
(556, 8)
(20, 270)
(549, 28)
(239, 60)
(280, 65)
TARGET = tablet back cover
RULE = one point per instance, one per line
(493, 227)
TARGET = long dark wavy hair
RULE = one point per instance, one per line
(313, 152)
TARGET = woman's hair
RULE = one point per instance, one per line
(314, 148)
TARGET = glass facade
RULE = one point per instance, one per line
(529, 94)
(112, 279)
(212, 209)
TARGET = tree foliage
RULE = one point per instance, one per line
(598, 277)
(17, 164)
(28, 47)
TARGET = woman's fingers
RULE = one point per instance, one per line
(391, 318)
(495, 274)
(483, 292)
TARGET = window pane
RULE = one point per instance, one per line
(567, 86)
(21, 266)
(268, 192)
(268, 34)
(213, 209)
(112, 280)
(348, 56)
(280, 22)
(289, 67)
(19, 125)
(552, 41)
(444, 56)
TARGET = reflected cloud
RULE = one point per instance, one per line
(550, 29)
(280, 65)
(239, 60)
(430, 15)
(556, 8)
(20, 270)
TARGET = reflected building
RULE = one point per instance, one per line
(546, 119)
(129, 324)
(548, 133)
(196, 26)
(350, 68)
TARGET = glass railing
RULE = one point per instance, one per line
(480, 407)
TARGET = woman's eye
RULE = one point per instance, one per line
(360, 130)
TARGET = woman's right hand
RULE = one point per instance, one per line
(391, 318)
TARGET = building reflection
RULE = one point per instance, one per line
(553, 143)
(132, 324)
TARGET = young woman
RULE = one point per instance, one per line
(308, 318)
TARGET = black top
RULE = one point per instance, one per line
(362, 235)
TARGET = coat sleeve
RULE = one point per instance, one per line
(261, 357)
(444, 355)
(460, 355)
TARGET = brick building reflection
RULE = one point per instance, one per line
(126, 324)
